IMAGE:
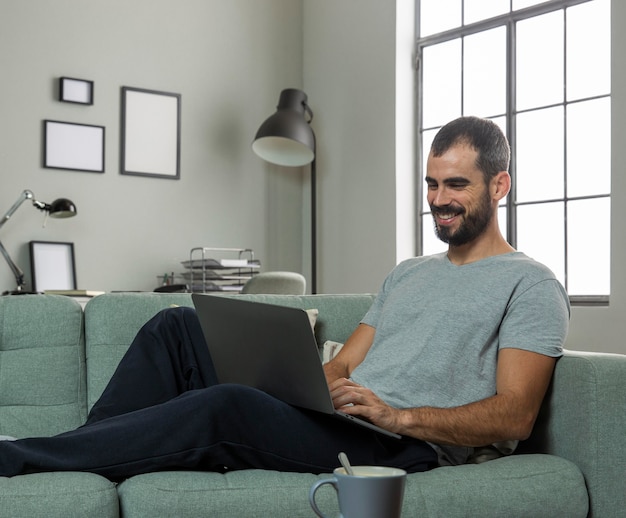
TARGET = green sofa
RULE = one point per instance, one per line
(55, 360)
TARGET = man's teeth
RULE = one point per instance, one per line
(446, 216)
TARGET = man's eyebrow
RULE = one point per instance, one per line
(454, 180)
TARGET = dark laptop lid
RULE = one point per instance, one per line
(268, 347)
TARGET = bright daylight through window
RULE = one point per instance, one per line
(540, 70)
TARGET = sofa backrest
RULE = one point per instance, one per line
(42, 365)
(112, 321)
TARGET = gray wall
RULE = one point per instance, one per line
(230, 60)
(349, 60)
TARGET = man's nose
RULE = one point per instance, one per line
(440, 198)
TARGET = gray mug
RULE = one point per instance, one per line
(372, 492)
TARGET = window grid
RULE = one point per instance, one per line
(509, 21)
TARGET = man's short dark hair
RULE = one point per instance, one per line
(483, 135)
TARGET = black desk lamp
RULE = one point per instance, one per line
(286, 138)
(61, 208)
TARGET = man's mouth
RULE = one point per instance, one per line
(445, 217)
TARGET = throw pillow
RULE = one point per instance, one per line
(313, 314)
(330, 350)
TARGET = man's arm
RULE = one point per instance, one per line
(521, 383)
(351, 354)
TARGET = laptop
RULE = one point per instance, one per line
(271, 348)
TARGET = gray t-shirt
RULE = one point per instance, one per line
(439, 328)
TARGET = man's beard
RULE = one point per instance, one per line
(472, 225)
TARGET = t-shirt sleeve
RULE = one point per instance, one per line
(537, 319)
(374, 313)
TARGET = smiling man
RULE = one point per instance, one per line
(474, 332)
(455, 355)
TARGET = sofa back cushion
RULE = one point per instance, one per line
(42, 365)
(112, 321)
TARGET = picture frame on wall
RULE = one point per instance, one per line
(79, 91)
(52, 265)
(77, 147)
(150, 133)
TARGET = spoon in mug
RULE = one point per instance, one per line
(343, 458)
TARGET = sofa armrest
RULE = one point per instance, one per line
(583, 419)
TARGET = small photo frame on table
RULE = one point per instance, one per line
(73, 90)
(150, 133)
(52, 266)
(78, 147)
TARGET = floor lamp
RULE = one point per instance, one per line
(286, 138)
(61, 208)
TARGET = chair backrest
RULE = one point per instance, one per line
(279, 283)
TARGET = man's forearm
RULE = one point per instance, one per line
(477, 424)
(335, 370)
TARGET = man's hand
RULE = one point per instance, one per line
(354, 399)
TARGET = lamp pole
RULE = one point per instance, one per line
(17, 272)
(313, 228)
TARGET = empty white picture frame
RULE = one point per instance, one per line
(78, 147)
(150, 133)
(73, 90)
(52, 266)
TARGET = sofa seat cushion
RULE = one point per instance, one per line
(58, 495)
(187, 494)
(517, 486)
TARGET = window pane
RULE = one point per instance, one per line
(588, 247)
(484, 75)
(441, 83)
(539, 152)
(432, 244)
(588, 50)
(427, 140)
(439, 15)
(502, 220)
(476, 10)
(540, 235)
(520, 4)
(540, 61)
(589, 148)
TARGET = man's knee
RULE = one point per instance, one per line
(239, 403)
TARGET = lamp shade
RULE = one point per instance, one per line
(286, 138)
(62, 208)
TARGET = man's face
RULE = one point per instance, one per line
(458, 197)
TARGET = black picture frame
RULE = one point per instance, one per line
(76, 147)
(52, 265)
(150, 133)
(77, 91)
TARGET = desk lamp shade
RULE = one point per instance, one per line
(286, 138)
(62, 208)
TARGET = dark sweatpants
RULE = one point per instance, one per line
(163, 409)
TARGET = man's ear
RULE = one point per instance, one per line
(500, 185)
